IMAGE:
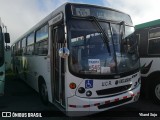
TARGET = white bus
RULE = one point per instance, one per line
(149, 51)
(4, 38)
(81, 58)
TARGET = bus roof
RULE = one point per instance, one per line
(55, 12)
(147, 24)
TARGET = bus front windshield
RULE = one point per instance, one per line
(91, 54)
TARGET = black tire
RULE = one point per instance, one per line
(155, 91)
(43, 93)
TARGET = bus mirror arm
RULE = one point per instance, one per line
(60, 34)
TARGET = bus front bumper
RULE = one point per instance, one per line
(85, 106)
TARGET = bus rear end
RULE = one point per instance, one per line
(103, 66)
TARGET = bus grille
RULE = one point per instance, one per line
(113, 90)
(114, 103)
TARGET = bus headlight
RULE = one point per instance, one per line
(88, 93)
(81, 90)
(72, 85)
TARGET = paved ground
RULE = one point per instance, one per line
(20, 97)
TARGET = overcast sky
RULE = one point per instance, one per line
(20, 15)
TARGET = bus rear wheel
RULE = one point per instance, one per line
(155, 91)
(43, 93)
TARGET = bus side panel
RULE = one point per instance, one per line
(8, 59)
(148, 61)
(39, 66)
(2, 79)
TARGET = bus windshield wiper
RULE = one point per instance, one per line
(122, 33)
(105, 37)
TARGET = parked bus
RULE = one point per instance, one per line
(149, 51)
(7, 58)
(81, 58)
(4, 38)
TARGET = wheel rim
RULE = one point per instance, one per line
(157, 91)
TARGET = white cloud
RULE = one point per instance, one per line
(140, 10)
(20, 15)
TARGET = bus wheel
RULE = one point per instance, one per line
(155, 91)
(43, 93)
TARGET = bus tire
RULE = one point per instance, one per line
(155, 91)
(43, 93)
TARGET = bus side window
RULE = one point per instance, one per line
(19, 48)
(154, 41)
(13, 50)
(41, 46)
(23, 48)
(30, 44)
(16, 49)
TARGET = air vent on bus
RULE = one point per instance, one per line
(113, 90)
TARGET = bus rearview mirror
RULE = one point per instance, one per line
(7, 37)
(63, 52)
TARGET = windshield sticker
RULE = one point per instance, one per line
(88, 84)
(94, 65)
(105, 70)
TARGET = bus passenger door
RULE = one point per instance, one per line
(58, 88)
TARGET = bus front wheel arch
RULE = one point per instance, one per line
(43, 92)
(155, 91)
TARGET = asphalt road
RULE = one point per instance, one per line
(20, 97)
